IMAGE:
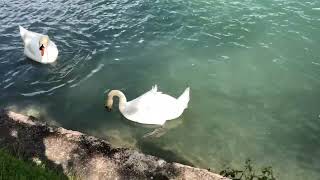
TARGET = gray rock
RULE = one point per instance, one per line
(84, 156)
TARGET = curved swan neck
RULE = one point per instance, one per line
(120, 95)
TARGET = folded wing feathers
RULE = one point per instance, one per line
(155, 90)
(185, 97)
(23, 32)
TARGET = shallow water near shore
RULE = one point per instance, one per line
(253, 68)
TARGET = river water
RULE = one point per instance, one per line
(253, 68)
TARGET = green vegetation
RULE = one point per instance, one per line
(13, 168)
(249, 173)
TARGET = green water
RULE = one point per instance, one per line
(253, 68)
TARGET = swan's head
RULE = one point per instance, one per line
(44, 40)
(109, 101)
(108, 104)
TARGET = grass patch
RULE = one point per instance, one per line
(249, 173)
(14, 168)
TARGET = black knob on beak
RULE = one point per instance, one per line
(108, 109)
(41, 47)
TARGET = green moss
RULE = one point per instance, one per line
(14, 168)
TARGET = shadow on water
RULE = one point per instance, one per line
(149, 147)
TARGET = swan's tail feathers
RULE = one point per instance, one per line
(185, 97)
(23, 32)
(154, 88)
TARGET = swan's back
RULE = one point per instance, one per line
(153, 107)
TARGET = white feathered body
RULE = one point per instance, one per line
(31, 47)
(154, 107)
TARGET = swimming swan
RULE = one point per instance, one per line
(153, 107)
(38, 47)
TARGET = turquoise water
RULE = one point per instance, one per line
(253, 68)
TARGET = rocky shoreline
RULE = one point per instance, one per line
(84, 156)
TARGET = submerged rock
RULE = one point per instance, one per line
(84, 156)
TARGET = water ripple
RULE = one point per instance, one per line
(42, 91)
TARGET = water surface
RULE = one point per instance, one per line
(253, 68)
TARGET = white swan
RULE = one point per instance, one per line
(152, 107)
(38, 47)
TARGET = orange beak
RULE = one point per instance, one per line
(42, 51)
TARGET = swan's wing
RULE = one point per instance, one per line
(51, 53)
(27, 35)
(30, 40)
(185, 97)
(146, 99)
(153, 107)
(31, 49)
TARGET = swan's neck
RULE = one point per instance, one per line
(122, 99)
